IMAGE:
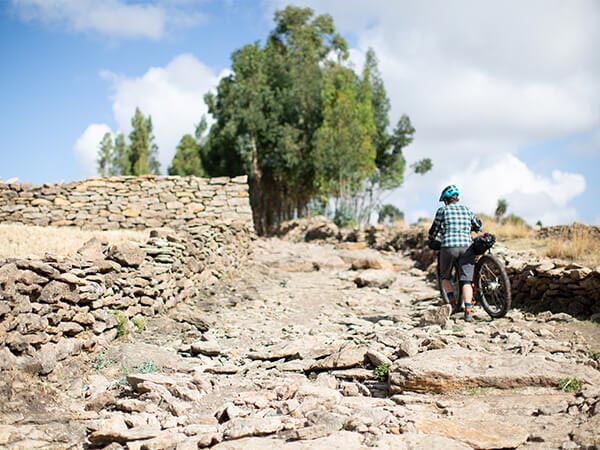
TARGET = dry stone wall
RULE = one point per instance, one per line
(128, 202)
(59, 303)
(557, 286)
(536, 283)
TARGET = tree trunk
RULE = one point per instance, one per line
(259, 212)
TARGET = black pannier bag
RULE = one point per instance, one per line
(434, 244)
(483, 243)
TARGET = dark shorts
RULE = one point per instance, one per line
(464, 257)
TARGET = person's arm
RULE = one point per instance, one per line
(476, 223)
(436, 226)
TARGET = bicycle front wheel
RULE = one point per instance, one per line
(492, 286)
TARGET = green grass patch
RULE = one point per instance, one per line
(569, 385)
(457, 329)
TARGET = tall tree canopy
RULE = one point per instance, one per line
(138, 158)
(303, 126)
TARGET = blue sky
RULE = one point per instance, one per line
(505, 96)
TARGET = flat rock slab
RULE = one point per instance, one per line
(342, 440)
(451, 369)
(345, 358)
(492, 432)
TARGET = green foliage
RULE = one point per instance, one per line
(120, 157)
(105, 155)
(121, 324)
(422, 166)
(138, 158)
(381, 372)
(101, 361)
(283, 283)
(139, 323)
(143, 152)
(569, 385)
(388, 214)
(187, 158)
(501, 209)
(345, 215)
(147, 367)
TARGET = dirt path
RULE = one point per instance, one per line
(288, 361)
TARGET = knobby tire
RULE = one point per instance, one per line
(492, 286)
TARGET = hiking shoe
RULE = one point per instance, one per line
(456, 308)
(468, 317)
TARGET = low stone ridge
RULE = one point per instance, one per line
(452, 369)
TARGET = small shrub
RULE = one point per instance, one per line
(139, 323)
(381, 372)
(147, 367)
(121, 324)
(474, 391)
(569, 385)
(283, 283)
(101, 361)
(347, 425)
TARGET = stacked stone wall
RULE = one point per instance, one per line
(205, 230)
(128, 202)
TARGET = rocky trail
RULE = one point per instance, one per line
(292, 354)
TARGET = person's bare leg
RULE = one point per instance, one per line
(449, 288)
(467, 295)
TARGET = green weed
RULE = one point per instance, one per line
(101, 361)
(121, 323)
(474, 391)
(283, 283)
(147, 367)
(139, 323)
(381, 372)
(569, 384)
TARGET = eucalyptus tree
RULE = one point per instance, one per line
(120, 158)
(187, 158)
(143, 151)
(105, 155)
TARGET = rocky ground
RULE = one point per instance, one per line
(316, 346)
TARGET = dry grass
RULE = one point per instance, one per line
(507, 230)
(22, 241)
(579, 244)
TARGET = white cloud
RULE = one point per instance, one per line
(481, 80)
(86, 147)
(115, 18)
(483, 182)
(172, 95)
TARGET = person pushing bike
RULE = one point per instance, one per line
(455, 222)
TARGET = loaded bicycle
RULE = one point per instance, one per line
(491, 285)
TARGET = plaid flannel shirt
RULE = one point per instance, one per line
(454, 222)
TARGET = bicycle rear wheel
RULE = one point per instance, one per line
(453, 279)
(492, 286)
